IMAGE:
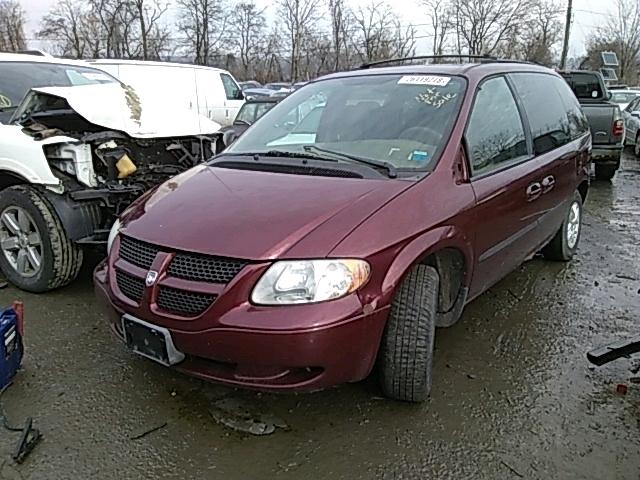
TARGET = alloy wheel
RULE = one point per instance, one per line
(573, 225)
(20, 241)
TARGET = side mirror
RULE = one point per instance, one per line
(239, 95)
(635, 114)
(229, 137)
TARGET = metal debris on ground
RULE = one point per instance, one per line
(622, 389)
(237, 415)
(140, 435)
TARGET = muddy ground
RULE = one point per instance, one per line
(513, 395)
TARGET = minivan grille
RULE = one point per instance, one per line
(183, 302)
(203, 268)
(188, 266)
(136, 252)
(132, 287)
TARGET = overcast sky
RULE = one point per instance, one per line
(587, 16)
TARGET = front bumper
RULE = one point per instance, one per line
(337, 345)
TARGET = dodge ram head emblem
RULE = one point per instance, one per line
(152, 276)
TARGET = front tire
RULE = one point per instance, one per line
(564, 245)
(35, 252)
(406, 353)
(636, 146)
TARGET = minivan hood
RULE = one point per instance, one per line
(116, 106)
(255, 215)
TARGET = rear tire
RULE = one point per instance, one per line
(59, 258)
(406, 353)
(605, 172)
(636, 146)
(564, 245)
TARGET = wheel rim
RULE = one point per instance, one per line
(636, 147)
(573, 225)
(20, 241)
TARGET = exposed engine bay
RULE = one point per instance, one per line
(107, 167)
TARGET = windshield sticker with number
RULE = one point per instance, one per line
(435, 80)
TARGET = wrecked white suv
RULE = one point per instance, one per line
(74, 157)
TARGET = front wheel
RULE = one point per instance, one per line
(35, 252)
(406, 353)
(565, 243)
(636, 146)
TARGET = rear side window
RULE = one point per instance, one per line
(578, 123)
(545, 111)
(495, 135)
(231, 89)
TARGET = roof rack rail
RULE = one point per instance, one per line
(426, 57)
(481, 58)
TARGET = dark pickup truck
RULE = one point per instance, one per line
(605, 120)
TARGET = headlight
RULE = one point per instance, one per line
(309, 281)
(112, 235)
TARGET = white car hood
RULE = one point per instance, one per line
(116, 106)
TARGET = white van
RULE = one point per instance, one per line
(211, 92)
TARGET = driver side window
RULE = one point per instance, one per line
(495, 135)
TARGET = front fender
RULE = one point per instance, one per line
(420, 248)
(21, 155)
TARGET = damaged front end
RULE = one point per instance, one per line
(102, 167)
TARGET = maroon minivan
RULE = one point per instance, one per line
(357, 215)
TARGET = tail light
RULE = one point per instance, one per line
(618, 128)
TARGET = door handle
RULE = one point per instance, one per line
(534, 191)
(548, 183)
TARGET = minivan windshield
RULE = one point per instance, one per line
(402, 120)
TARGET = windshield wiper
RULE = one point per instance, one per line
(8, 109)
(392, 172)
(279, 153)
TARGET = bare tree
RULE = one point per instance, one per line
(248, 22)
(203, 22)
(109, 14)
(540, 33)
(341, 25)
(298, 18)
(379, 33)
(440, 14)
(66, 27)
(620, 34)
(148, 13)
(12, 19)
(268, 65)
(482, 25)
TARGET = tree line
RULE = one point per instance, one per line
(307, 38)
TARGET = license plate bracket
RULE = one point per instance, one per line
(150, 341)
